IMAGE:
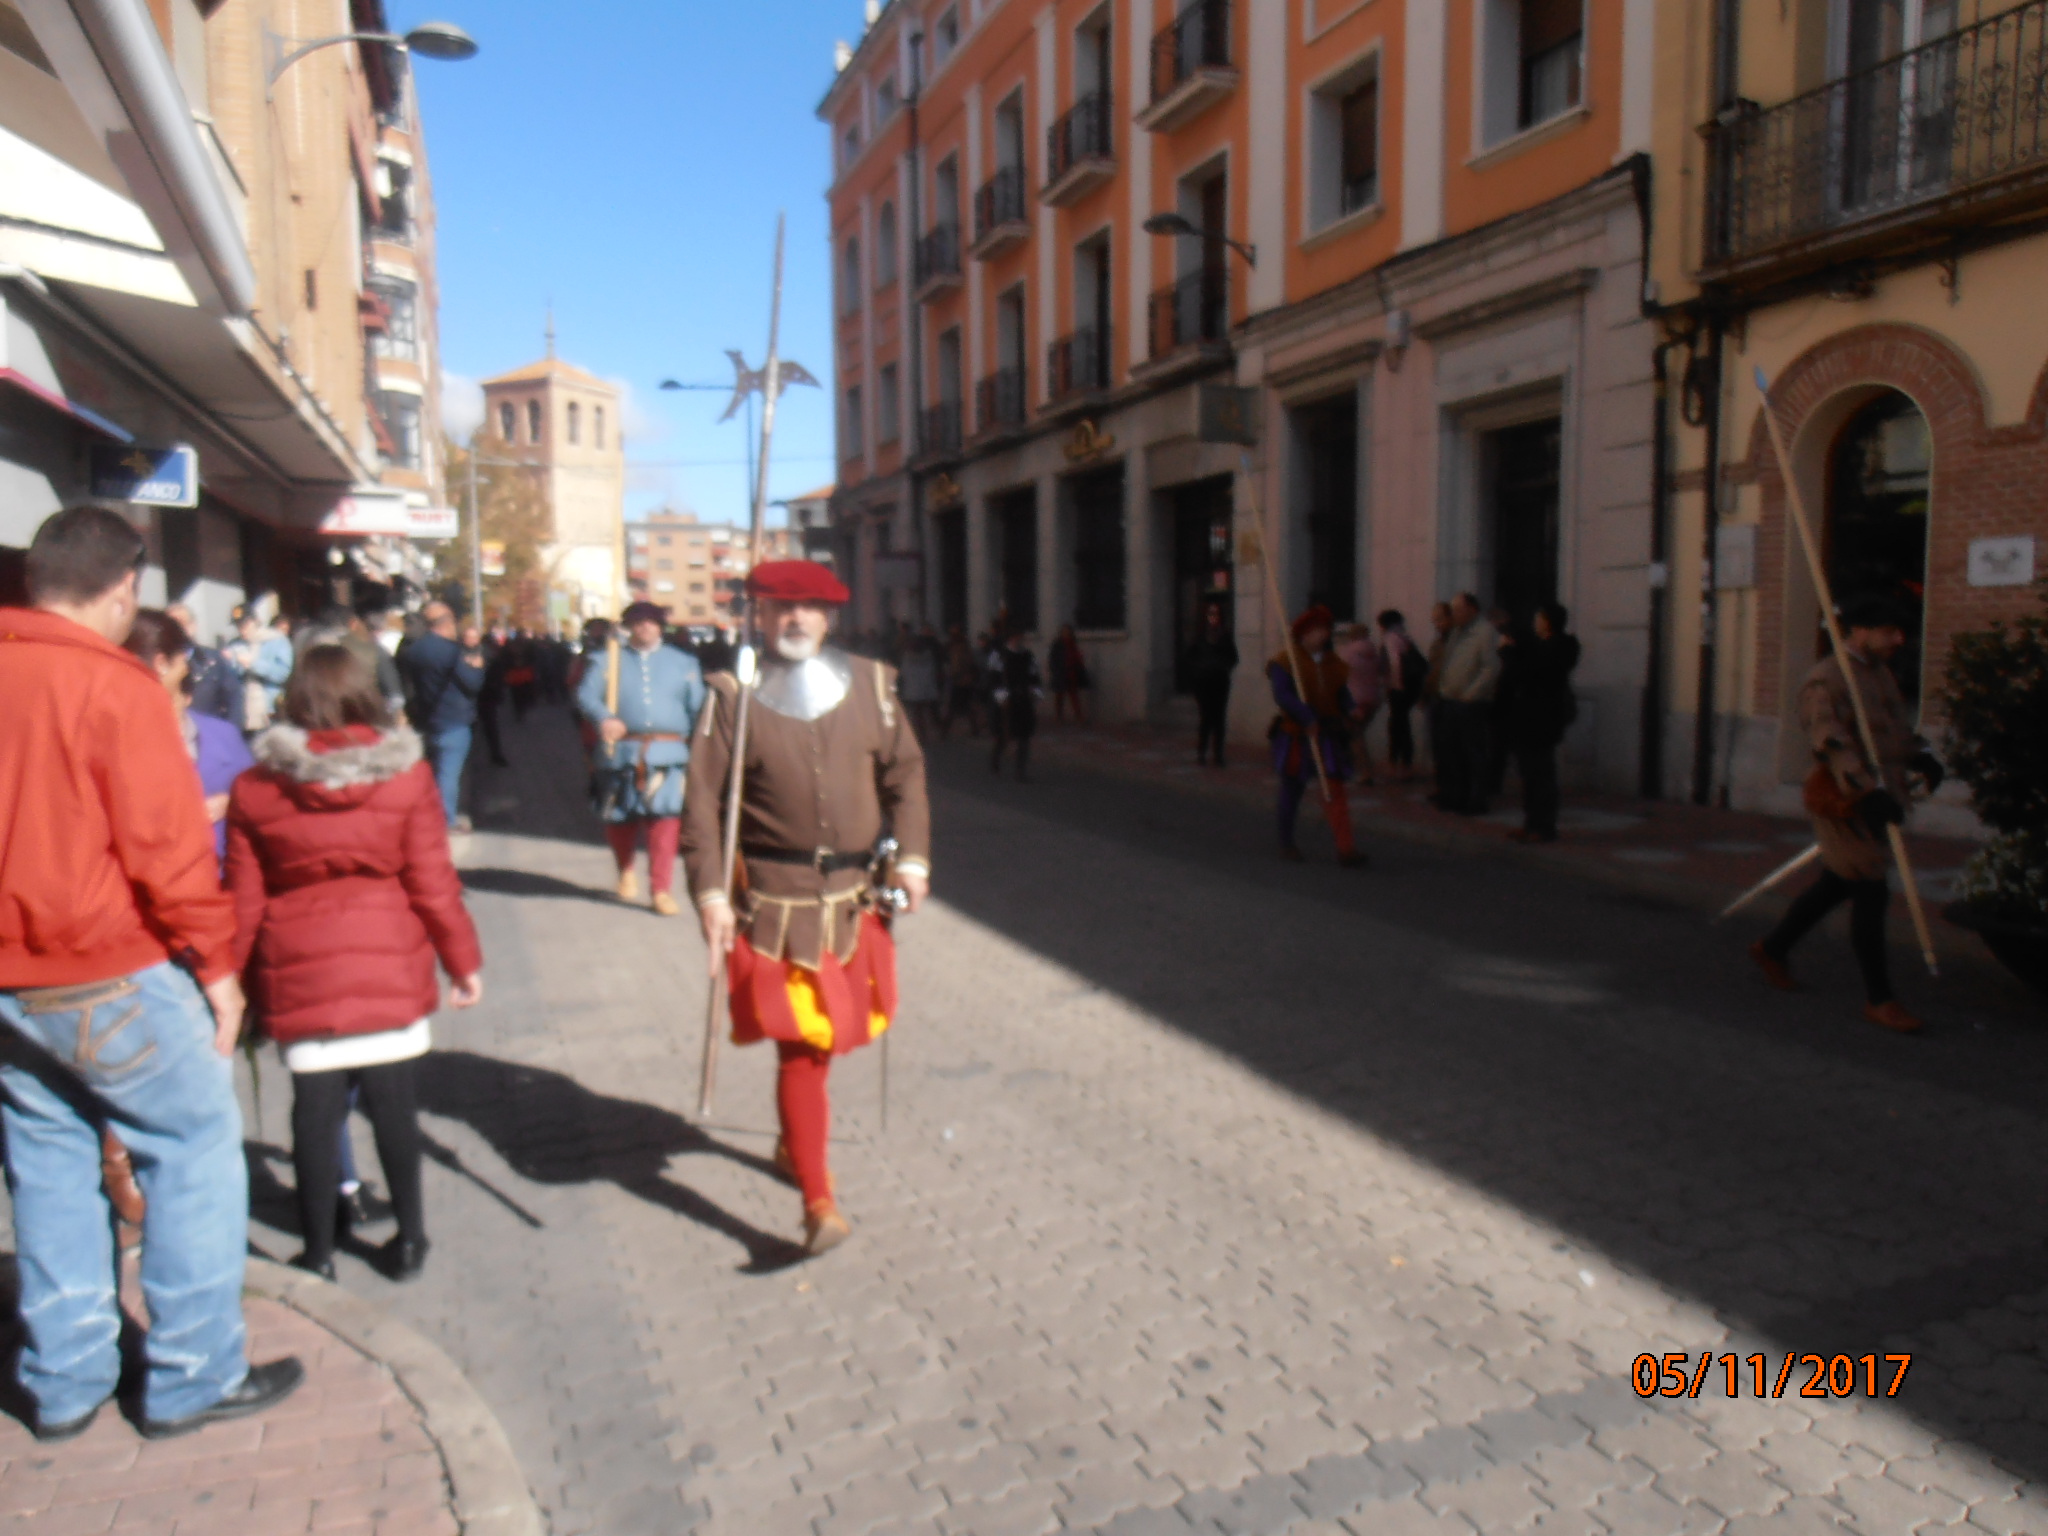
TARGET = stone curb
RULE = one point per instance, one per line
(490, 1492)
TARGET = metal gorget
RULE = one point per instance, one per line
(804, 690)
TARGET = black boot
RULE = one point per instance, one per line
(405, 1258)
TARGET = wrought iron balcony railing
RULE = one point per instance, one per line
(938, 254)
(999, 399)
(1190, 312)
(1078, 363)
(942, 428)
(1198, 39)
(999, 202)
(1082, 133)
(1954, 131)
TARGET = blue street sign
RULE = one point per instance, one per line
(151, 477)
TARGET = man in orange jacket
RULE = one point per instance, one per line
(121, 1003)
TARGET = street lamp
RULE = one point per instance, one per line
(430, 40)
(726, 389)
(1180, 224)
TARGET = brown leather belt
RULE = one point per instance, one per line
(640, 767)
(823, 860)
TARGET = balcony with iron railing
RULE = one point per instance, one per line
(1943, 141)
(1192, 67)
(1078, 363)
(1191, 313)
(1080, 152)
(938, 260)
(999, 217)
(999, 401)
(941, 438)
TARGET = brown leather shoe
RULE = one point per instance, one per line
(1776, 972)
(1892, 1017)
(666, 905)
(629, 885)
(785, 1168)
(824, 1228)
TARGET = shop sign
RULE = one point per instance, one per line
(1229, 415)
(149, 477)
(366, 512)
(2003, 562)
(492, 554)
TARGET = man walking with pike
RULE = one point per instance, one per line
(831, 767)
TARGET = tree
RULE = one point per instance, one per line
(512, 505)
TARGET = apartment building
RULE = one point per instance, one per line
(696, 571)
(1851, 198)
(1081, 246)
(203, 244)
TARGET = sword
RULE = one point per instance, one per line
(1778, 876)
(886, 899)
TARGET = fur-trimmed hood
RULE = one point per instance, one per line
(352, 759)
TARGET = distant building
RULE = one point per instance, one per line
(695, 570)
(555, 415)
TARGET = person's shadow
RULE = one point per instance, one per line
(550, 1129)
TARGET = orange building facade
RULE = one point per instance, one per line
(1390, 303)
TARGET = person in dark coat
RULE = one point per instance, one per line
(1537, 676)
(1014, 687)
(214, 684)
(1210, 661)
(345, 897)
(442, 680)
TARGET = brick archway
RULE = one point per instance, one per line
(1986, 480)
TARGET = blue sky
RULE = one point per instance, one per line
(626, 159)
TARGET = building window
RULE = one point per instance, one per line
(1344, 144)
(575, 423)
(533, 421)
(886, 100)
(401, 413)
(663, 540)
(664, 565)
(849, 279)
(400, 337)
(849, 146)
(888, 406)
(697, 586)
(945, 36)
(394, 203)
(885, 246)
(851, 437)
(1552, 32)
(597, 426)
(508, 422)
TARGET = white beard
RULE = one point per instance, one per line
(796, 647)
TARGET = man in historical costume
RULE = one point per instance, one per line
(644, 721)
(832, 767)
(1853, 800)
(1314, 717)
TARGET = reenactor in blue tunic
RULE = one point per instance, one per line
(643, 698)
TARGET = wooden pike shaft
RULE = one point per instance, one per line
(1778, 876)
(1280, 607)
(707, 1080)
(1811, 548)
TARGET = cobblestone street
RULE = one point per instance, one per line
(1226, 1196)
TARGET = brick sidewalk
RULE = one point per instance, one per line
(348, 1454)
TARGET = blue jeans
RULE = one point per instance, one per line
(142, 1046)
(448, 748)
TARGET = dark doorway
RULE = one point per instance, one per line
(1878, 484)
(1202, 564)
(1098, 502)
(949, 530)
(180, 533)
(1328, 432)
(1525, 466)
(1013, 518)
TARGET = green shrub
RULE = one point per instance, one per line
(1996, 696)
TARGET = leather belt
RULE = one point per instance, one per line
(823, 860)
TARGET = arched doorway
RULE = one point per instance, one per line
(1879, 473)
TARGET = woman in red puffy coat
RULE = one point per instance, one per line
(345, 896)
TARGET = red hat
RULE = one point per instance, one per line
(1317, 617)
(796, 581)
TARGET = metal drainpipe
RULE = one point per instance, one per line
(1650, 759)
(912, 222)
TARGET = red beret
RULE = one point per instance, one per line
(1317, 617)
(796, 581)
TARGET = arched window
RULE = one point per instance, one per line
(849, 279)
(575, 422)
(1879, 475)
(533, 421)
(508, 422)
(597, 426)
(885, 246)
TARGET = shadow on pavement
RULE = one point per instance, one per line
(1606, 1067)
(520, 882)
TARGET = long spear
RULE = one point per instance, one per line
(1313, 741)
(1814, 569)
(707, 1088)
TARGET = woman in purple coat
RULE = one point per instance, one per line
(216, 746)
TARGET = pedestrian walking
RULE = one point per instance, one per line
(831, 764)
(117, 976)
(1015, 686)
(963, 684)
(262, 654)
(1406, 670)
(1210, 661)
(214, 687)
(344, 897)
(1542, 709)
(1311, 686)
(644, 699)
(217, 749)
(1852, 801)
(1067, 667)
(918, 682)
(1440, 626)
(1466, 682)
(1361, 657)
(442, 680)
(493, 643)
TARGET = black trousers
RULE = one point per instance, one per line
(1400, 730)
(1004, 738)
(487, 722)
(1538, 767)
(1212, 707)
(390, 1097)
(1464, 755)
(1868, 900)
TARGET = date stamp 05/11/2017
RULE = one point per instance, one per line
(1676, 1375)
